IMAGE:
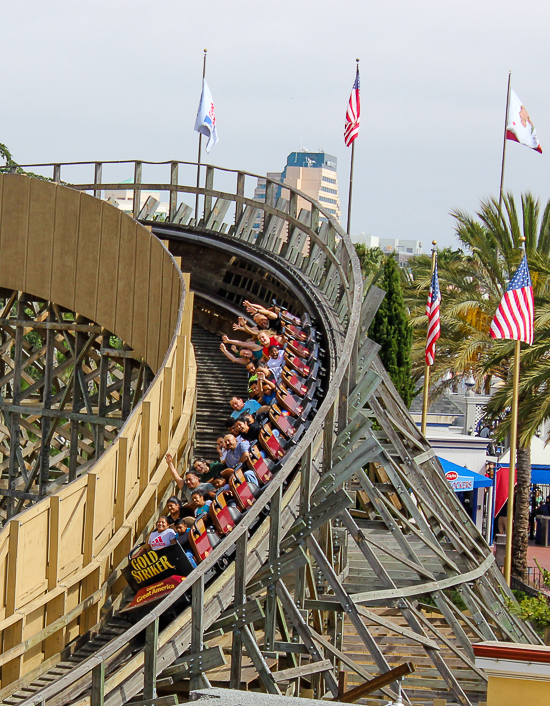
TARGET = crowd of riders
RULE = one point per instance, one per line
(280, 352)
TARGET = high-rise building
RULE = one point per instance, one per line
(314, 173)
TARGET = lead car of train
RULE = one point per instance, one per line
(155, 573)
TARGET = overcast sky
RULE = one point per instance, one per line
(121, 80)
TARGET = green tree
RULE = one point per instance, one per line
(371, 259)
(472, 285)
(390, 328)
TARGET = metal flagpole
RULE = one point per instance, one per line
(426, 391)
(351, 172)
(200, 145)
(504, 142)
(512, 469)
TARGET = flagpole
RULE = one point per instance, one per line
(200, 147)
(504, 142)
(512, 468)
(351, 173)
(426, 391)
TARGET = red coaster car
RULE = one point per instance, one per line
(241, 491)
(263, 468)
(224, 518)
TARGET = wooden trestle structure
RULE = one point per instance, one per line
(361, 530)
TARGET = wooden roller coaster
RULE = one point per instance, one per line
(360, 548)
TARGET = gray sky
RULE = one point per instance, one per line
(121, 80)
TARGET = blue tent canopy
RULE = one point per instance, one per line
(462, 478)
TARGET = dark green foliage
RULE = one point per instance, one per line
(390, 328)
(372, 259)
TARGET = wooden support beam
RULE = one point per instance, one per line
(311, 668)
(150, 660)
(347, 604)
(273, 554)
(171, 700)
(195, 663)
(239, 598)
(304, 631)
(198, 680)
(98, 685)
(362, 690)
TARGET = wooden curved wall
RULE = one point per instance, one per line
(62, 558)
(85, 254)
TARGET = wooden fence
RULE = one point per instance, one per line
(61, 559)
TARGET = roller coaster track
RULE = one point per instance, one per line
(318, 569)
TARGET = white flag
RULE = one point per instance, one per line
(520, 128)
(206, 117)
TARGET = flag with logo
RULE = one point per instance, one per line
(514, 318)
(353, 113)
(206, 117)
(432, 312)
(519, 127)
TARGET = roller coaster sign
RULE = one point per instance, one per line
(156, 565)
(153, 593)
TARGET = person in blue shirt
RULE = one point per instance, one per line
(183, 528)
(202, 506)
(242, 407)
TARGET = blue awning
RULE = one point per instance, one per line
(461, 478)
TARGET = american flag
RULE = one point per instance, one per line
(516, 311)
(353, 113)
(432, 312)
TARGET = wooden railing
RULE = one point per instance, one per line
(61, 559)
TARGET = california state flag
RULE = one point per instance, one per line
(519, 127)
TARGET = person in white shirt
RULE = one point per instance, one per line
(159, 538)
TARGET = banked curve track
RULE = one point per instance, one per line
(385, 571)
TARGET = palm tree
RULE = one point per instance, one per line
(472, 286)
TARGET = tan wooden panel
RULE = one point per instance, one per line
(40, 238)
(104, 509)
(166, 330)
(141, 292)
(176, 296)
(13, 241)
(87, 259)
(126, 278)
(4, 546)
(67, 212)
(71, 519)
(32, 557)
(107, 285)
(155, 299)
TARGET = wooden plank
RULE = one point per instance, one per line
(150, 660)
(141, 292)
(171, 700)
(125, 279)
(107, 282)
(87, 258)
(377, 683)
(67, 213)
(154, 305)
(304, 670)
(38, 273)
(13, 239)
(165, 332)
(97, 697)
(192, 663)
